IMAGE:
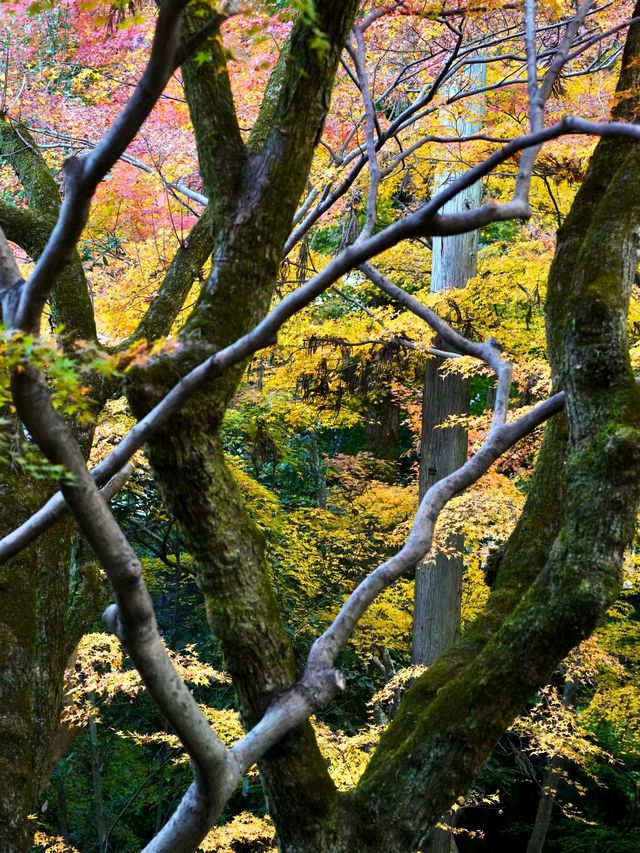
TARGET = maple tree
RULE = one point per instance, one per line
(230, 280)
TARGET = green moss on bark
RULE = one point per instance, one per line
(561, 569)
(35, 641)
(70, 300)
(253, 195)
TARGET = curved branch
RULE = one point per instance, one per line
(132, 618)
(21, 151)
(31, 229)
(424, 222)
(321, 682)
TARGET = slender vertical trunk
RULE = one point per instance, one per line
(438, 592)
(545, 806)
(550, 784)
(175, 619)
(160, 804)
(63, 814)
(439, 841)
(438, 589)
(318, 472)
(439, 582)
(96, 783)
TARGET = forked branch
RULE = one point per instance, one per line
(320, 681)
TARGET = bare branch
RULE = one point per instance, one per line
(500, 439)
(419, 107)
(425, 221)
(320, 681)
(359, 56)
(132, 618)
(538, 100)
(64, 140)
(535, 111)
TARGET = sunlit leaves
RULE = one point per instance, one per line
(246, 829)
(98, 673)
(45, 843)
(67, 376)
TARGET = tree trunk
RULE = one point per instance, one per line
(561, 568)
(319, 476)
(438, 587)
(36, 644)
(438, 590)
(96, 784)
(545, 806)
(47, 594)
(550, 784)
(254, 193)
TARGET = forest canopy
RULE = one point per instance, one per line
(320, 426)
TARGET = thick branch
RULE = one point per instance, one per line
(320, 682)
(31, 228)
(9, 272)
(20, 150)
(221, 151)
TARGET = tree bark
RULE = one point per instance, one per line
(438, 590)
(560, 570)
(317, 470)
(39, 587)
(545, 806)
(34, 589)
(50, 592)
(438, 586)
(96, 784)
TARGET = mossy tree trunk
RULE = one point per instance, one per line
(30, 686)
(561, 569)
(40, 588)
(253, 200)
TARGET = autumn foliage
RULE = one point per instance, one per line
(322, 433)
